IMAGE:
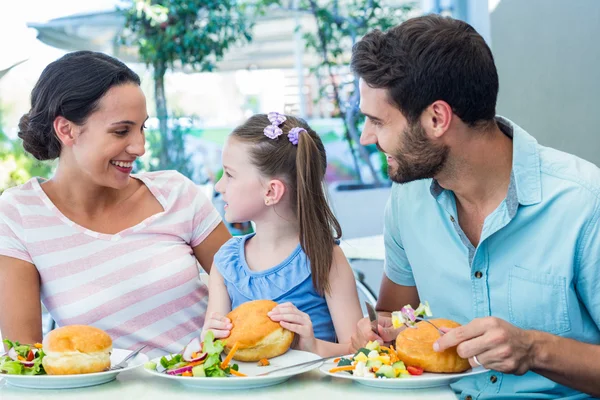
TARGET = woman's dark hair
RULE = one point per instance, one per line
(431, 58)
(72, 87)
(302, 167)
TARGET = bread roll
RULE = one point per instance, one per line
(76, 349)
(415, 347)
(257, 335)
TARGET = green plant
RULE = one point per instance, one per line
(183, 33)
(16, 165)
(176, 157)
(339, 25)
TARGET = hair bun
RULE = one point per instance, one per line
(40, 144)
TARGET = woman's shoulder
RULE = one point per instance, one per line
(164, 179)
(21, 194)
(175, 188)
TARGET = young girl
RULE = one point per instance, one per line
(274, 169)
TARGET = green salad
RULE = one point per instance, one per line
(197, 360)
(22, 359)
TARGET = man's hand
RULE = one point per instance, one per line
(364, 333)
(497, 344)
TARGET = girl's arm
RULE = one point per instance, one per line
(343, 304)
(219, 305)
(342, 301)
(21, 316)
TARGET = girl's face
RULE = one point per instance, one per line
(112, 138)
(242, 186)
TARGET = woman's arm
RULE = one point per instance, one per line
(219, 305)
(206, 250)
(343, 304)
(21, 316)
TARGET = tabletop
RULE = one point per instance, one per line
(364, 248)
(138, 384)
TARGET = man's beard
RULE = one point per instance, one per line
(418, 158)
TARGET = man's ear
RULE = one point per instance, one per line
(436, 118)
(275, 191)
(66, 131)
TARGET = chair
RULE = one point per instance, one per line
(359, 207)
(360, 210)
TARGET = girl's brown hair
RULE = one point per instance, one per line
(302, 168)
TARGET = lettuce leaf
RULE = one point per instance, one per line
(10, 367)
(169, 363)
(37, 368)
(11, 344)
(212, 360)
(212, 346)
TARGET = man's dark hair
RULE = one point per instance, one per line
(431, 58)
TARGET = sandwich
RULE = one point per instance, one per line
(414, 346)
(76, 349)
(257, 337)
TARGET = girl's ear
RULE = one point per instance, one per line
(275, 191)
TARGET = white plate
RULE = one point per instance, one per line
(251, 369)
(76, 381)
(427, 380)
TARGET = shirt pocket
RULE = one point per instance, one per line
(538, 301)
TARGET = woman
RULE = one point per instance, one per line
(101, 246)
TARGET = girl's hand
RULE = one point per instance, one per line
(220, 325)
(290, 318)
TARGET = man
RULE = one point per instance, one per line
(495, 231)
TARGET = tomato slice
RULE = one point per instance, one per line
(30, 356)
(414, 370)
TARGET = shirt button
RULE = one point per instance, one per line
(451, 218)
(478, 274)
(469, 397)
(493, 379)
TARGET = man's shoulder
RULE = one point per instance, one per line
(410, 200)
(558, 167)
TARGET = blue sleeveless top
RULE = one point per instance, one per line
(291, 281)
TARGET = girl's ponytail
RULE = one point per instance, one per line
(318, 226)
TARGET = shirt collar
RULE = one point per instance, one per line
(526, 170)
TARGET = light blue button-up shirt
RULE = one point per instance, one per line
(537, 264)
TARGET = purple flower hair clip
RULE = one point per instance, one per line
(273, 131)
(293, 134)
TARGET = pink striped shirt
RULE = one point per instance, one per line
(140, 285)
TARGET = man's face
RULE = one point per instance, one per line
(411, 155)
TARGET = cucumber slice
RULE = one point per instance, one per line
(198, 371)
(386, 371)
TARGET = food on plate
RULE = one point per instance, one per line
(415, 347)
(408, 316)
(199, 360)
(375, 361)
(22, 359)
(263, 363)
(413, 354)
(76, 349)
(255, 335)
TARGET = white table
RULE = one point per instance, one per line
(140, 385)
(364, 248)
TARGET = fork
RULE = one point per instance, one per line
(304, 364)
(441, 332)
(374, 323)
(124, 363)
